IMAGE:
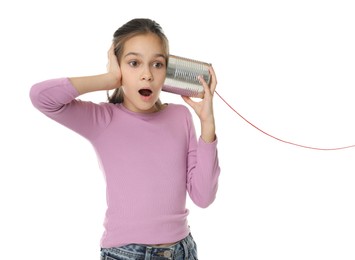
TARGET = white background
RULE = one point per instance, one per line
(287, 66)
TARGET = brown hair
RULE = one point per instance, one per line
(130, 29)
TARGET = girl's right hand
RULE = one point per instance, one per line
(113, 69)
(112, 79)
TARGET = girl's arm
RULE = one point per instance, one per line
(56, 98)
(204, 109)
(107, 81)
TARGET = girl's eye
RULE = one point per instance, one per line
(158, 65)
(133, 63)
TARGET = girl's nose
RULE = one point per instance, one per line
(147, 75)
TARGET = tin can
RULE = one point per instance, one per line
(182, 76)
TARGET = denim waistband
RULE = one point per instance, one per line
(142, 252)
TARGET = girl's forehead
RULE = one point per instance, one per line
(143, 44)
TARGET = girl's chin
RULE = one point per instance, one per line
(145, 104)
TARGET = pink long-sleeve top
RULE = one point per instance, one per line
(150, 162)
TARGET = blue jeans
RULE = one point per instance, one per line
(185, 249)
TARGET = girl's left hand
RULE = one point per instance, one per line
(204, 108)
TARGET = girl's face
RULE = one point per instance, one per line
(143, 68)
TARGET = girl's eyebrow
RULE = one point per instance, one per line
(160, 55)
(132, 53)
(137, 54)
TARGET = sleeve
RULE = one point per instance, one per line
(203, 169)
(56, 98)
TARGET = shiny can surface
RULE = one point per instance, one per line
(182, 76)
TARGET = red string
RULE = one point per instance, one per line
(287, 142)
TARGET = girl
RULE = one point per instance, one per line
(148, 151)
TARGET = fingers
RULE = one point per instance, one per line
(111, 51)
(188, 100)
(206, 88)
(112, 63)
(213, 83)
(113, 67)
(209, 89)
(112, 48)
(109, 55)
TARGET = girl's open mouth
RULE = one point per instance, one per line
(145, 92)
